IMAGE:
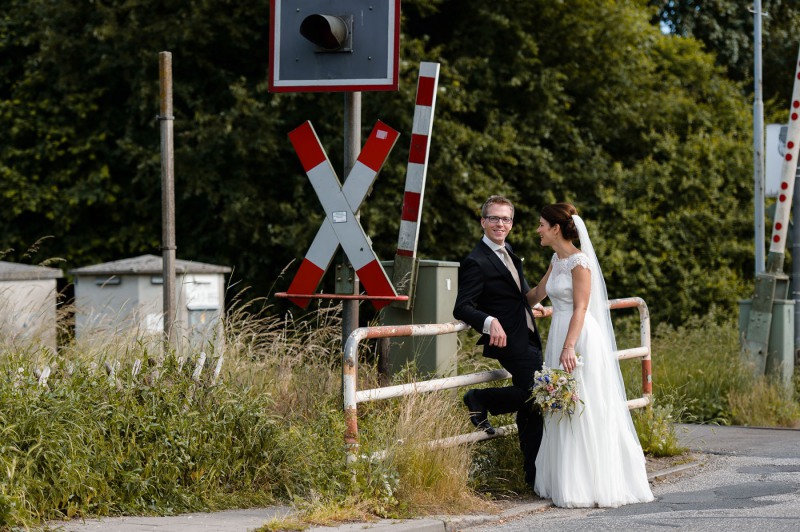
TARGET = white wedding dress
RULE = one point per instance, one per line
(594, 458)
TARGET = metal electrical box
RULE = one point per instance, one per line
(436, 290)
(28, 303)
(780, 356)
(128, 295)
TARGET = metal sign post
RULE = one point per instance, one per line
(758, 141)
(352, 145)
(795, 247)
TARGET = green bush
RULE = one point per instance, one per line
(699, 372)
(655, 425)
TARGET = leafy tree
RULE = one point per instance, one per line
(639, 129)
(726, 28)
(80, 158)
(585, 101)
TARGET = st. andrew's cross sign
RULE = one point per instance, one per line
(340, 203)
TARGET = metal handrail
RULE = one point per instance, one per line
(350, 370)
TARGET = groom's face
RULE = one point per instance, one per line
(497, 231)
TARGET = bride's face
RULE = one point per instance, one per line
(547, 233)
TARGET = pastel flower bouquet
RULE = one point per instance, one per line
(555, 391)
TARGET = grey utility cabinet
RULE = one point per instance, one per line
(28, 303)
(437, 286)
(780, 363)
(128, 294)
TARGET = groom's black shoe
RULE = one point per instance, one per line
(478, 413)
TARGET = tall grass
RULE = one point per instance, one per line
(122, 427)
(86, 444)
(433, 479)
(655, 426)
(108, 434)
(698, 368)
(764, 404)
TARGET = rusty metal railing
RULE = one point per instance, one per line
(352, 396)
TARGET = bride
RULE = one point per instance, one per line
(593, 458)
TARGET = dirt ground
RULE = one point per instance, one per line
(668, 462)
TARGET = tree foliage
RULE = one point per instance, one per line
(585, 101)
(726, 29)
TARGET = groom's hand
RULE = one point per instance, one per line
(497, 336)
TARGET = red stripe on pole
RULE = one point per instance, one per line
(404, 252)
(419, 149)
(305, 281)
(307, 145)
(378, 145)
(376, 283)
(647, 377)
(411, 202)
(425, 90)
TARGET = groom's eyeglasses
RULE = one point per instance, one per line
(495, 219)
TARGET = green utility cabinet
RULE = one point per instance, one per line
(437, 286)
(780, 356)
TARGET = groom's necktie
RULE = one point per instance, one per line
(513, 269)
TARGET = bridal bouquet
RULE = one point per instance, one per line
(555, 391)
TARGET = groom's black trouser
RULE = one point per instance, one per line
(514, 398)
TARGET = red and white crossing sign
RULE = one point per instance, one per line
(341, 202)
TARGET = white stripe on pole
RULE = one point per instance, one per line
(415, 177)
(429, 70)
(423, 119)
(407, 233)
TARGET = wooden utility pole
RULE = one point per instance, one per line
(167, 195)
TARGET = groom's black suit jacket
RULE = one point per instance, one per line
(486, 288)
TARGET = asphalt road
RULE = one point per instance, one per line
(750, 480)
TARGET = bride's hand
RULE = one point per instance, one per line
(568, 359)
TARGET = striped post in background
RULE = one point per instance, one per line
(404, 270)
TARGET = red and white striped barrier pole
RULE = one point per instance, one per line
(773, 283)
(405, 260)
(788, 171)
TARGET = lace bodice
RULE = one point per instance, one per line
(559, 285)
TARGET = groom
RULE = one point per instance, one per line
(492, 300)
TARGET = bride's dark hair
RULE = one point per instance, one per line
(561, 214)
